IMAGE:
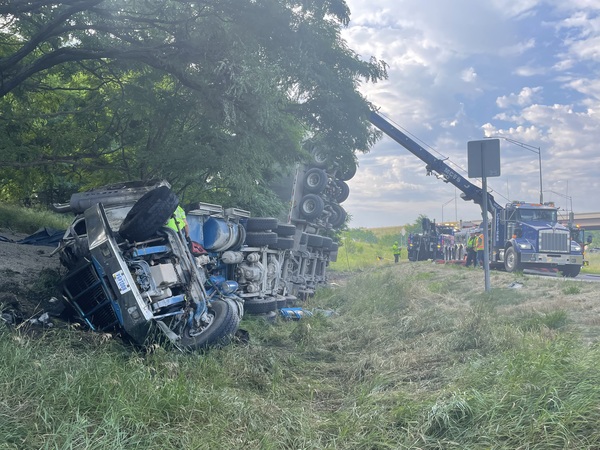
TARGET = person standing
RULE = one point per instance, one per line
(396, 249)
(480, 248)
(471, 252)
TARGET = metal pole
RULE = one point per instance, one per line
(455, 207)
(540, 161)
(486, 238)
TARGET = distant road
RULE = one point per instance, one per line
(554, 273)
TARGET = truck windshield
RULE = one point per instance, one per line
(545, 215)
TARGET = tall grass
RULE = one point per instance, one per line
(29, 220)
(593, 263)
(414, 356)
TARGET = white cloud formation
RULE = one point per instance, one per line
(468, 75)
(456, 73)
(525, 97)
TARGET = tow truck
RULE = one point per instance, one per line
(522, 235)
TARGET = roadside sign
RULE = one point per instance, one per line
(483, 158)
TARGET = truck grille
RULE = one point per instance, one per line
(554, 241)
(85, 292)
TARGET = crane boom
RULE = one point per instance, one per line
(433, 164)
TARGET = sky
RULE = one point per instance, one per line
(459, 71)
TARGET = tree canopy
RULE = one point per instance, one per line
(217, 96)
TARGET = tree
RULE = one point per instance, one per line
(209, 94)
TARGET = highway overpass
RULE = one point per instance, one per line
(589, 221)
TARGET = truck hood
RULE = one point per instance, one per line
(543, 225)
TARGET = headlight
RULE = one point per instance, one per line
(575, 247)
(524, 246)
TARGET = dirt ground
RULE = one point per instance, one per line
(28, 278)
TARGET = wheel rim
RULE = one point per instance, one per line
(313, 180)
(319, 157)
(510, 260)
(309, 206)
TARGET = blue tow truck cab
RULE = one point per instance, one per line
(530, 236)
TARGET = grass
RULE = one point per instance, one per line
(29, 220)
(594, 263)
(416, 356)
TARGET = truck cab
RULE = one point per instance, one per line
(533, 238)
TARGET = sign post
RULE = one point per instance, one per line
(484, 161)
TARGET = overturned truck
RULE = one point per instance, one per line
(131, 274)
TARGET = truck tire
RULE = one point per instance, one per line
(315, 180)
(512, 261)
(285, 229)
(311, 206)
(342, 191)
(320, 158)
(327, 243)
(347, 170)
(261, 223)
(148, 214)
(314, 240)
(225, 322)
(260, 305)
(261, 239)
(338, 216)
(283, 243)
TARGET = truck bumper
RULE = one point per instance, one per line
(551, 259)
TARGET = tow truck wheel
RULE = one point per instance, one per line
(148, 214)
(219, 331)
(512, 262)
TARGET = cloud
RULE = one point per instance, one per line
(518, 48)
(469, 75)
(525, 97)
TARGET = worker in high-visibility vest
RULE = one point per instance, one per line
(479, 247)
(471, 252)
(178, 221)
(396, 250)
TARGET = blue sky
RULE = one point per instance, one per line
(462, 70)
